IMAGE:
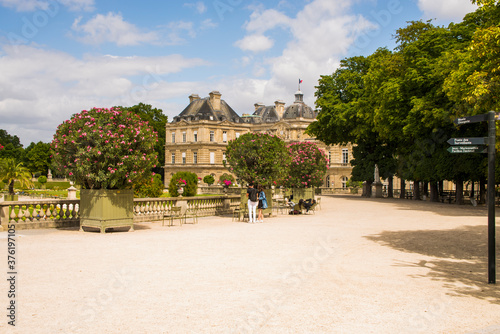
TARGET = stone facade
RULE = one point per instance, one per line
(196, 139)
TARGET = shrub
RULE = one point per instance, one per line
(42, 179)
(150, 187)
(104, 149)
(308, 165)
(226, 179)
(209, 179)
(191, 184)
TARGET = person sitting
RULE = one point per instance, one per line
(308, 203)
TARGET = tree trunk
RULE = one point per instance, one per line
(472, 190)
(367, 189)
(434, 192)
(402, 189)
(440, 183)
(390, 188)
(459, 194)
(482, 191)
(416, 190)
(426, 188)
(11, 187)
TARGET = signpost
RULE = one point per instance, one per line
(467, 141)
(474, 145)
(468, 149)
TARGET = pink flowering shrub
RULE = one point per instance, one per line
(105, 149)
(308, 166)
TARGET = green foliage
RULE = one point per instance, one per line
(209, 179)
(37, 158)
(258, 158)
(307, 167)
(11, 171)
(10, 146)
(105, 149)
(226, 177)
(151, 187)
(42, 179)
(156, 119)
(191, 186)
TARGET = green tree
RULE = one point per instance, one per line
(226, 177)
(11, 171)
(191, 186)
(11, 146)
(37, 157)
(258, 158)
(157, 120)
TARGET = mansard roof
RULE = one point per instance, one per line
(203, 109)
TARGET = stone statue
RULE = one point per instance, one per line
(49, 175)
(376, 176)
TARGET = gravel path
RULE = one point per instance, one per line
(356, 266)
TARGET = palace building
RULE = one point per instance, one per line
(196, 139)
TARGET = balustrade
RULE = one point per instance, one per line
(46, 213)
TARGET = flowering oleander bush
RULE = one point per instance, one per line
(257, 158)
(307, 167)
(105, 149)
(149, 187)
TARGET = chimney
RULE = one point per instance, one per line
(193, 97)
(258, 105)
(215, 99)
(280, 108)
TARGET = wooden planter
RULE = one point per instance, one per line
(104, 208)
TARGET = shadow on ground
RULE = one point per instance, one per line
(443, 209)
(461, 257)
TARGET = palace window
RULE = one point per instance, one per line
(184, 137)
(212, 136)
(223, 157)
(345, 156)
(344, 180)
(224, 136)
(173, 158)
(173, 137)
(212, 157)
(195, 136)
(237, 135)
(195, 157)
(183, 158)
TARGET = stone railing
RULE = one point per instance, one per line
(48, 213)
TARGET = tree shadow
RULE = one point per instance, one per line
(443, 209)
(461, 257)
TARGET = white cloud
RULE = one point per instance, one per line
(255, 43)
(39, 89)
(111, 28)
(453, 10)
(198, 6)
(321, 34)
(32, 5)
(208, 24)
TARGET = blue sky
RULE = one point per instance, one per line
(58, 57)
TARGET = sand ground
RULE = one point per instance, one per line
(356, 266)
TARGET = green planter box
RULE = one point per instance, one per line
(302, 193)
(13, 198)
(104, 208)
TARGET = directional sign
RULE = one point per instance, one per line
(468, 149)
(471, 119)
(467, 141)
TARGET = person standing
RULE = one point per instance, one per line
(262, 204)
(252, 195)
